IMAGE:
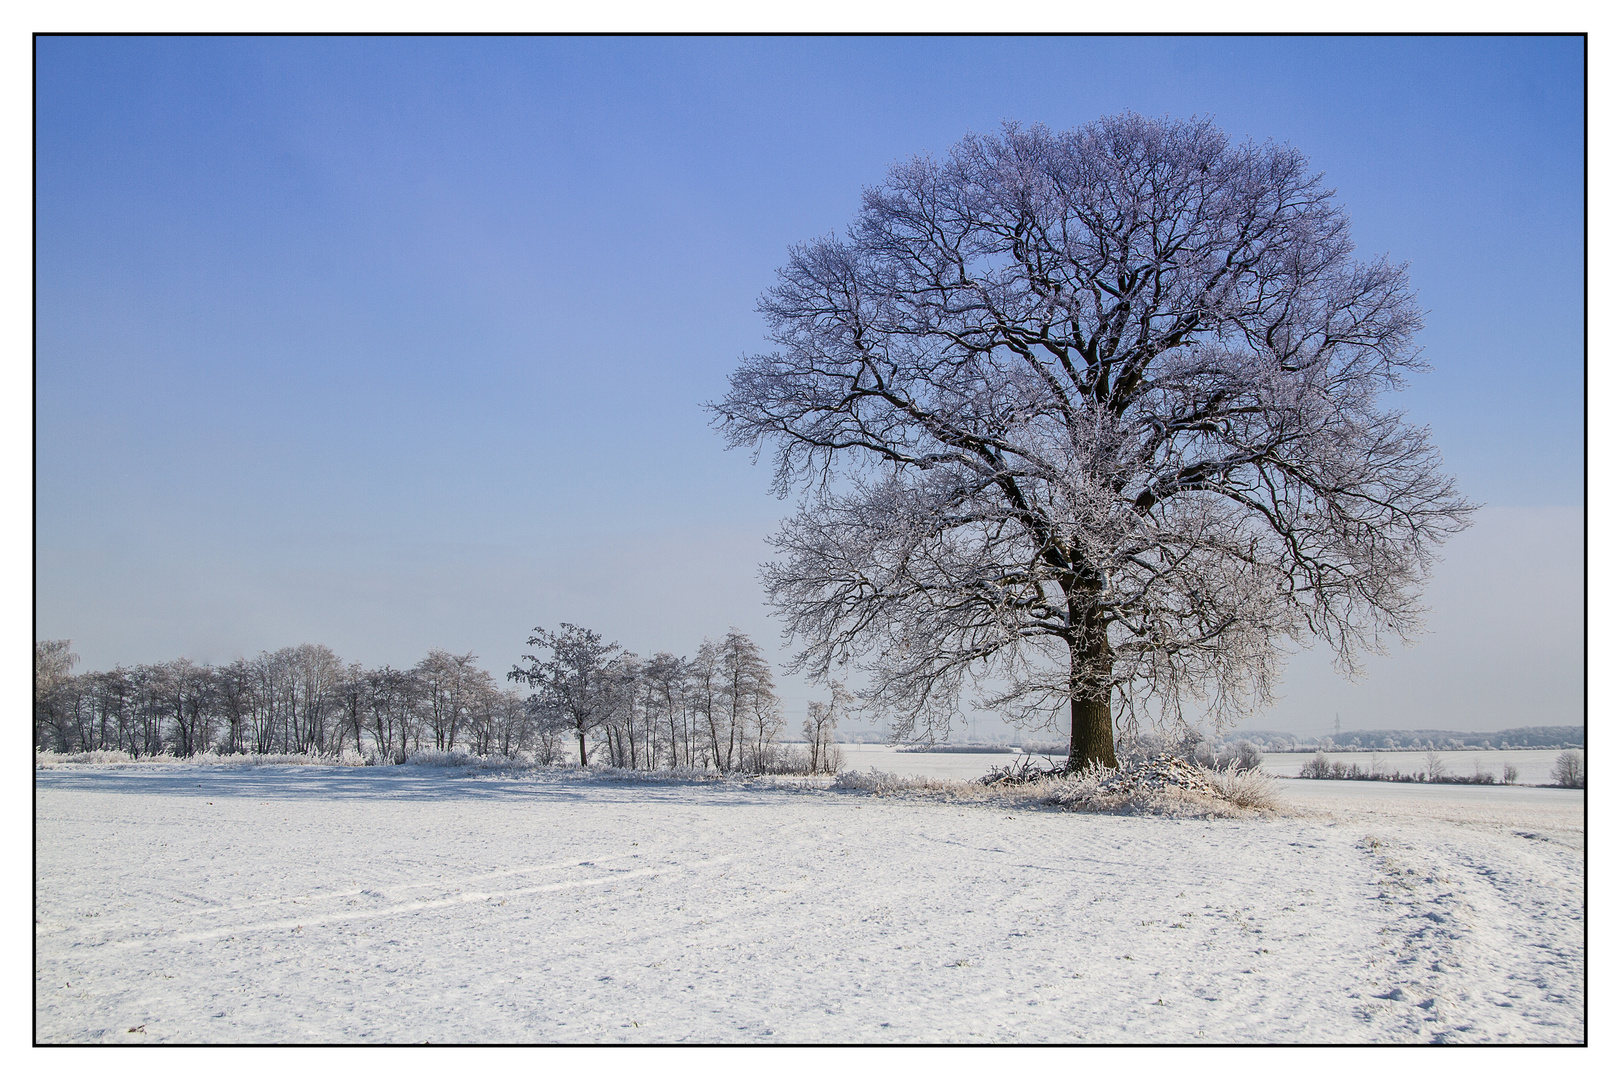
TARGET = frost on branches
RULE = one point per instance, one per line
(1091, 419)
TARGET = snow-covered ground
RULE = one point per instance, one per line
(321, 904)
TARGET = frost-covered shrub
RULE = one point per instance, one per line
(454, 759)
(1510, 774)
(662, 774)
(1249, 788)
(871, 780)
(1163, 784)
(347, 759)
(1155, 786)
(1166, 786)
(1243, 756)
(1570, 769)
(49, 758)
(1318, 768)
(793, 761)
(877, 782)
(777, 760)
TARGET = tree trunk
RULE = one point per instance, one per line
(581, 733)
(1091, 731)
(1091, 719)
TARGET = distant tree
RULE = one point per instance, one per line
(572, 681)
(156, 698)
(652, 734)
(764, 727)
(233, 692)
(1570, 769)
(112, 711)
(820, 723)
(391, 704)
(1246, 757)
(270, 698)
(313, 672)
(483, 699)
(195, 704)
(349, 709)
(624, 721)
(668, 686)
(706, 696)
(53, 660)
(748, 713)
(512, 724)
(60, 713)
(448, 683)
(1092, 418)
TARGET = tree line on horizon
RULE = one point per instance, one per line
(1413, 739)
(715, 710)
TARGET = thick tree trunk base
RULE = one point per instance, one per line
(1091, 734)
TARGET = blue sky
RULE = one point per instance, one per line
(395, 343)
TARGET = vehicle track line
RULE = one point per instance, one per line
(315, 898)
(400, 909)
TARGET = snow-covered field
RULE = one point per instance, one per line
(941, 766)
(1534, 766)
(321, 904)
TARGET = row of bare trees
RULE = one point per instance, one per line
(299, 700)
(715, 710)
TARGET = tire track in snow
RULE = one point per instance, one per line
(343, 894)
(440, 883)
(399, 909)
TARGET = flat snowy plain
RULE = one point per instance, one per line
(1534, 766)
(289, 904)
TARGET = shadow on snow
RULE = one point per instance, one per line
(397, 782)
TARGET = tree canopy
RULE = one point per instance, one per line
(1091, 419)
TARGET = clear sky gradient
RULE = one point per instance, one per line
(394, 343)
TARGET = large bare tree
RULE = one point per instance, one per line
(1091, 421)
